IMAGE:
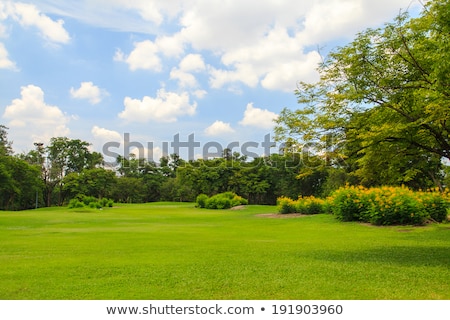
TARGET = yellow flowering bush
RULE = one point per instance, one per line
(379, 206)
(304, 205)
(389, 205)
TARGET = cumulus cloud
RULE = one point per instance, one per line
(256, 117)
(165, 107)
(266, 45)
(219, 128)
(146, 54)
(105, 134)
(33, 119)
(277, 61)
(88, 91)
(5, 62)
(192, 63)
(28, 15)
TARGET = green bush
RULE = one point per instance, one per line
(88, 199)
(75, 203)
(218, 201)
(435, 205)
(81, 201)
(224, 200)
(389, 205)
(105, 202)
(303, 205)
(201, 200)
(350, 204)
(379, 206)
(238, 201)
(95, 205)
(286, 205)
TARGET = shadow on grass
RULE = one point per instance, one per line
(400, 255)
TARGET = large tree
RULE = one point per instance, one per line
(383, 100)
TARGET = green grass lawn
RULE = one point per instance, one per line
(175, 251)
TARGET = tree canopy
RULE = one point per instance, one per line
(382, 103)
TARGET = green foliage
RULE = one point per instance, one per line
(223, 200)
(303, 205)
(386, 96)
(95, 205)
(286, 205)
(201, 200)
(75, 203)
(83, 201)
(389, 205)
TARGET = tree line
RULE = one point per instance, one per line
(66, 168)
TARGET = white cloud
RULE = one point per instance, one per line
(33, 119)
(185, 79)
(277, 61)
(172, 46)
(219, 128)
(5, 62)
(88, 91)
(265, 44)
(105, 134)
(199, 94)
(29, 16)
(256, 117)
(192, 63)
(165, 107)
(144, 56)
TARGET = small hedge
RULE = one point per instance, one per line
(304, 205)
(82, 201)
(224, 200)
(378, 206)
(389, 205)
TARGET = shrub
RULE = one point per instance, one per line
(389, 205)
(224, 200)
(238, 201)
(219, 201)
(81, 201)
(201, 200)
(286, 205)
(75, 203)
(95, 205)
(88, 199)
(351, 203)
(105, 202)
(435, 205)
(306, 205)
(379, 206)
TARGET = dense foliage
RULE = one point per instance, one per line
(82, 201)
(381, 108)
(303, 205)
(223, 200)
(379, 206)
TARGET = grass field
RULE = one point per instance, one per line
(175, 251)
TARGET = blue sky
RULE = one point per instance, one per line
(221, 70)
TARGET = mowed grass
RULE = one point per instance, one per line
(176, 251)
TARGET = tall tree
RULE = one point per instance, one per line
(386, 95)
